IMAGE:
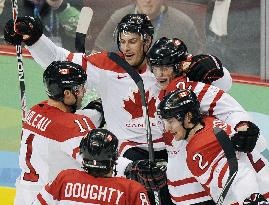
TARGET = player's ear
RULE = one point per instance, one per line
(68, 97)
(67, 94)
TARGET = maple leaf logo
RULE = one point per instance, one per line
(168, 138)
(135, 107)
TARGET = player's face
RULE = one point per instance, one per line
(149, 7)
(175, 127)
(80, 94)
(132, 45)
(163, 74)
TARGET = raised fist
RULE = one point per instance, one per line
(27, 29)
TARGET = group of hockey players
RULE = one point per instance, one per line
(66, 159)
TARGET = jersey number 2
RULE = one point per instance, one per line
(200, 161)
(257, 165)
(32, 175)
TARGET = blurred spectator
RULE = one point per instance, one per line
(2, 5)
(233, 33)
(68, 15)
(2, 2)
(59, 17)
(167, 21)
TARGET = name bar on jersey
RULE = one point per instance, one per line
(93, 192)
(37, 121)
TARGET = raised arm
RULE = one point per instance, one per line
(44, 52)
(29, 30)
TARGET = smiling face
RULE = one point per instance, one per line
(133, 47)
(163, 74)
(175, 127)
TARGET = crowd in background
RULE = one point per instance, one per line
(205, 26)
(228, 29)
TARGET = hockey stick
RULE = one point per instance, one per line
(230, 154)
(19, 63)
(139, 82)
(84, 21)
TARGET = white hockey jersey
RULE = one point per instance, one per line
(49, 144)
(122, 102)
(207, 162)
(120, 95)
(213, 100)
(183, 187)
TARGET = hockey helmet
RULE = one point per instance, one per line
(63, 75)
(135, 23)
(99, 150)
(167, 52)
(178, 103)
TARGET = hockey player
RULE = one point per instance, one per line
(172, 58)
(134, 35)
(109, 79)
(165, 58)
(206, 158)
(51, 133)
(94, 185)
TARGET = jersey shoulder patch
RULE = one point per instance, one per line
(102, 61)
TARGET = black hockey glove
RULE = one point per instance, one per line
(24, 26)
(150, 174)
(205, 68)
(256, 199)
(246, 137)
(97, 105)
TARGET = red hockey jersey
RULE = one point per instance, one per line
(78, 187)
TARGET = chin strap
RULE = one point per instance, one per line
(74, 106)
(140, 62)
(115, 170)
(188, 130)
